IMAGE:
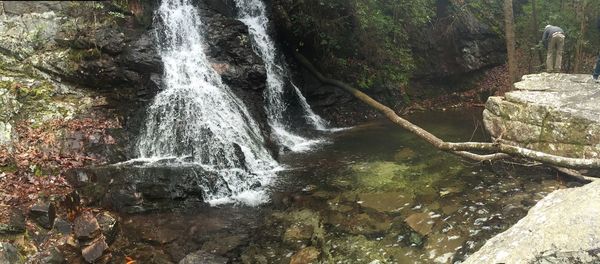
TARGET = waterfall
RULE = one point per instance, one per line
(197, 117)
(311, 117)
(253, 14)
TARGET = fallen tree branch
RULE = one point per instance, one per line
(575, 174)
(498, 149)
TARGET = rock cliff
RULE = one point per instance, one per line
(553, 113)
(70, 60)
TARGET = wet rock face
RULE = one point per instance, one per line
(116, 57)
(230, 50)
(461, 47)
(553, 113)
(565, 225)
(134, 189)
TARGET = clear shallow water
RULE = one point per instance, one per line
(375, 193)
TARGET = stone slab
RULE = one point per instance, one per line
(566, 221)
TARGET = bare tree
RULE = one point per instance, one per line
(509, 29)
(581, 16)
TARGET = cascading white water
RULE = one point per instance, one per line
(254, 15)
(311, 117)
(197, 116)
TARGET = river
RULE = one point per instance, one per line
(373, 194)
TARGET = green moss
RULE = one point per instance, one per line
(77, 56)
(10, 168)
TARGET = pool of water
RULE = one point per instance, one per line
(373, 194)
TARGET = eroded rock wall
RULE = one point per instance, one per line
(553, 113)
(74, 58)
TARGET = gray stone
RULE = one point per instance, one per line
(86, 227)
(222, 244)
(14, 224)
(94, 250)
(9, 254)
(23, 34)
(133, 189)
(62, 226)
(554, 113)
(109, 226)
(9, 107)
(565, 221)
(20, 7)
(43, 214)
(49, 256)
(202, 257)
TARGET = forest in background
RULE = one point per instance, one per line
(369, 43)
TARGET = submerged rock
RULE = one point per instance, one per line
(420, 222)
(222, 245)
(204, 257)
(300, 227)
(305, 256)
(565, 221)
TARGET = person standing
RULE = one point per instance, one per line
(554, 41)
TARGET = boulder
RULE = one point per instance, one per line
(14, 224)
(43, 214)
(553, 113)
(109, 225)
(94, 250)
(86, 227)
(565, 223)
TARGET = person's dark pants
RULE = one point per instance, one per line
(597, 69)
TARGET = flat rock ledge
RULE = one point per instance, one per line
(564, 227)
(554, 113)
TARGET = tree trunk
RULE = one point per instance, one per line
(582, 30)
(535, 34)
(509, 29)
